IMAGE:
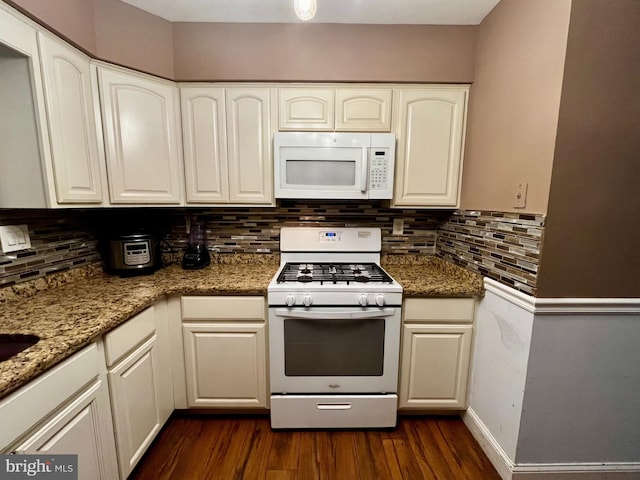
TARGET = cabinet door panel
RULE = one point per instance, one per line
(82, 428)
(430, 131)
(306, 108)
(141, 138)
(225, 365)
(435, 363)
(205, 145)
(249, 149)
(74, 144)
(365, 110)
(136, 410)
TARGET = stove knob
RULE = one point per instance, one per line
(290, 300)
(362, 299)
(380, 300)
(307, 300)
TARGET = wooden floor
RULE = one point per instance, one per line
(213, 447)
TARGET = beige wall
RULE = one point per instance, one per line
(129, 36)
(109, 30)
(593, 224)
(514, 103)
(117, 32)
(72, 19)
(324, 52)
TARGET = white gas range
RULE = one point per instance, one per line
(334, 331)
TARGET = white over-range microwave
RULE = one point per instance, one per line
(334, 165)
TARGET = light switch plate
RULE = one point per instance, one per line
(14, 238)
(520, 198)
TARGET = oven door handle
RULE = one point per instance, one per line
(333, 315)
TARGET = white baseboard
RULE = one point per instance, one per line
(552, 471)
(492, 449)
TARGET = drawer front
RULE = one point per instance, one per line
(129, 335)
(42, 395)
(223, 308)
(333, 411)
(440, 310)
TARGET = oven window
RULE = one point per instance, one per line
(353, 347)
(321, 172)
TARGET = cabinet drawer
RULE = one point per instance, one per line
(440, 310)
(39, 397)
(333, 411)
(128, 335)
(223, 308)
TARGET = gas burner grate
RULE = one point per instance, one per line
(333, 273)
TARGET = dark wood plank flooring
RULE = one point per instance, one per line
(245, 447)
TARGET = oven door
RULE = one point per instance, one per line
(334, 350)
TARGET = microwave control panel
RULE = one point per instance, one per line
(380, 168)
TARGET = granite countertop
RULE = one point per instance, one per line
(430, 276)
(68, 317)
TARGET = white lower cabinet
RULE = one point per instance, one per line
(65, 411)
(141, 395)
(436, 347)
(80, 428)
(225, 351)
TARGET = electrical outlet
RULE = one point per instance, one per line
(520, 199)
(14, 238)
(398, 226)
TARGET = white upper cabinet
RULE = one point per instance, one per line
(249, 132)
(306, 108)
(26, 180)
(72, 128)
(204, 134)
(227, 144)
(429, 127)
(356, 109)
(142, 137)
(363, 109)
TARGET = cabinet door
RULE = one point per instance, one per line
(225, 364)
(306, 108)
(72, 129)
(205, 144)
(434, 366)
(137, 414)
(430, 131)
(363, 110)
(26, 180)
(82, 428)
(142, 138)
(249, 128)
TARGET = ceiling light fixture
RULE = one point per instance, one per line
(305, 9)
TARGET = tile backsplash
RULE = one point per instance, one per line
(60, 240)
(257, 230)
(65, 239)
(502, 246)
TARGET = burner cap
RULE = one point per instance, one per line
(360, 278)
(304, 278)
(305, 270)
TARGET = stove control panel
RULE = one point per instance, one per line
(329, 236)
(302, 299)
